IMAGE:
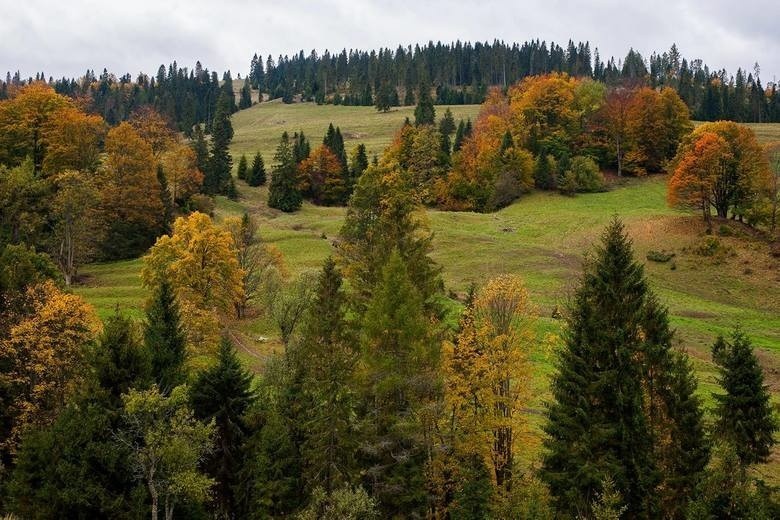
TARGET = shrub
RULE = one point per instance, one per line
(659, 256)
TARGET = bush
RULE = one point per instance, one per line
(202, 203)
(659, 256)
(582, 176)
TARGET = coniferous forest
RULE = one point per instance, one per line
(383, 392)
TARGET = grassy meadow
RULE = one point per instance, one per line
(542, 237)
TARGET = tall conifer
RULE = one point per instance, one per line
(164, 339)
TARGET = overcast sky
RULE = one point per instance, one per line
(65, 37)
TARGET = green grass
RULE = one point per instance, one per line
(765, 132)
(259, 128)
(542, 237)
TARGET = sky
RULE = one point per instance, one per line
(65, 38)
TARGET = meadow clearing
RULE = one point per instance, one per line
(543, 237)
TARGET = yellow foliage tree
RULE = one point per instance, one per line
(43, 353)
(200, 261)
(486, 376)
(72, 141)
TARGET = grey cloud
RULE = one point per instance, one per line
(66, 38)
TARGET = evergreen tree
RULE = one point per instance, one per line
(409, 96)
(166, 199)
(384, 97)
(242, 168)
(329, 354)
(246, 95)
(335, 142)
(218, 172)
(544, 172)
(459, 136)
(357, 165)
(744, 414)
(120, 361)
(424, 113)
(400, 385)
(256, 176)
(165, 339)
(201, 149)
(301, 147)
(447, 123)
(284, 192)
(596, 424)
(223, 393)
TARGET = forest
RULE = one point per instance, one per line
(385, 392)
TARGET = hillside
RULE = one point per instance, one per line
(542, 237)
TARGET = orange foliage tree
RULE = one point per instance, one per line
(321, 177)
(742, 179)
(180, 166)
(130, 207)
(696, 175)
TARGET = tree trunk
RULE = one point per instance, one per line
(153, 494)
(168, 508)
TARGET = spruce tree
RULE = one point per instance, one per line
(165, 339)
(596, 425)
(241, 173)
(301, 147)
(284, 193)
(256, 176)
(120, 361)
(383, 98)
(246, 95)
(223, 393)
(201, 149)
(447, 123)
(544, 172)
(424, 113)
(329, 353)
(459, 136)
(165, 198)
(218, 172)
(400, 371)
(744, 413)
(357, 165)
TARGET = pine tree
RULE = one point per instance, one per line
(284, 192)
(357, 165)
(596, 423)
(223, 393)
(242, 168)
(447, 123)
(256, 176)
(165, 339)
(383, 98)
(424, 113)
(400, 385)
(744, 414)
(329, 354)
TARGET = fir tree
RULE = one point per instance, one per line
(284, 193)
(596, 423)
(223, 393)
(424, 113)
(241, 173)
(256, 176)
(335, 142)
(165, 339)
(744, 414)
(357, 165)
(383, 98)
